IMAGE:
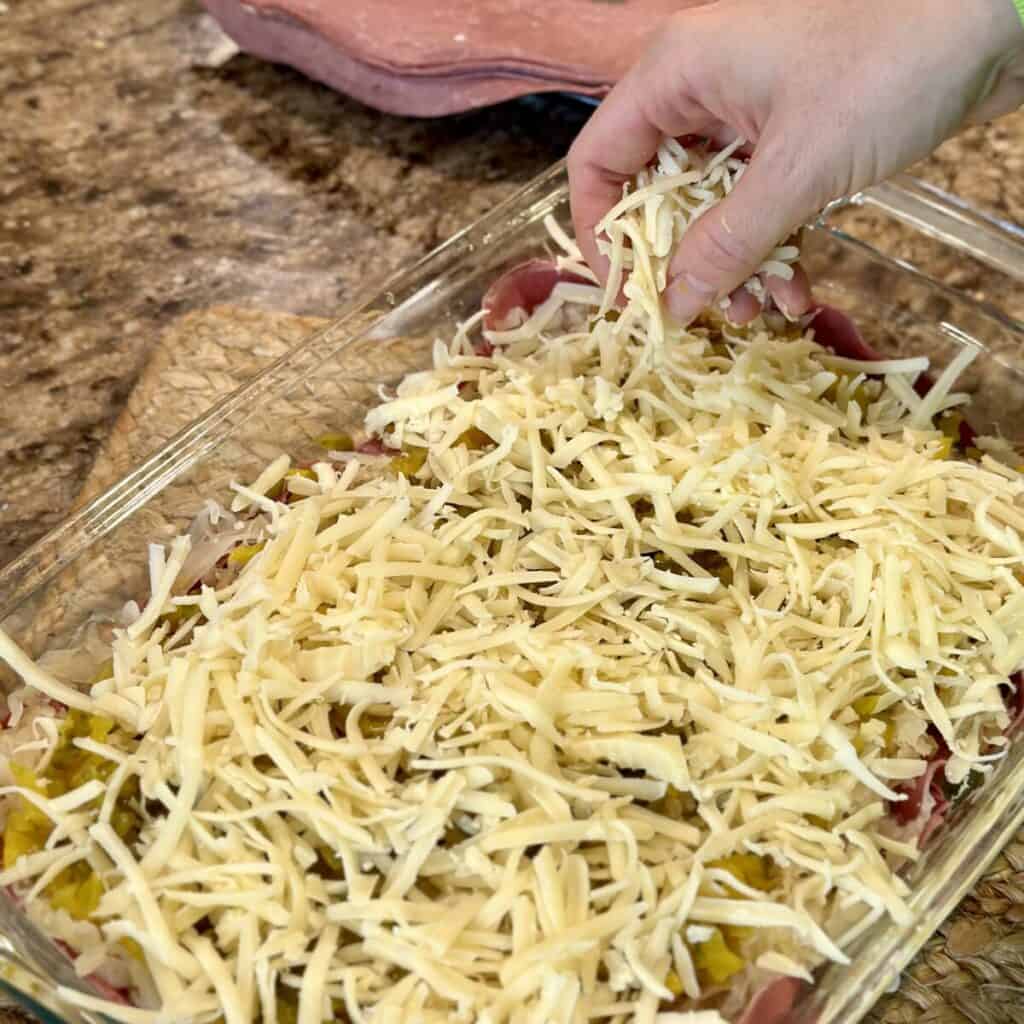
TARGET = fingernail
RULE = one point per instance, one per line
(743, 308)
(687, 296)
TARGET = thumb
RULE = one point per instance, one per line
(727, 244)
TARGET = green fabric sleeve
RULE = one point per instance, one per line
(1019, 4)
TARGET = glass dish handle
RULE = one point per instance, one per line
(997, 243)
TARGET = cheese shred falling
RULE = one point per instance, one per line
(594, 704)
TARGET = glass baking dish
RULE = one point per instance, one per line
(96, 561)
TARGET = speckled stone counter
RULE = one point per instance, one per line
(140, 177)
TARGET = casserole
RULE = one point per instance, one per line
(92, 566)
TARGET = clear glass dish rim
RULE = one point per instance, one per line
(930, 211)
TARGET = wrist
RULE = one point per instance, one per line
(1001, 71)
(1002, 23)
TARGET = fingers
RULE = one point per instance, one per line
(616, 143)
(620, 139)
(743, 307)
(793, 297)
(725, 246)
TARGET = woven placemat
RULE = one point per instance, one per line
(970, 972)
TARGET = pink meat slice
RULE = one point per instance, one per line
(906, 811)
(771, 1003)
(412, 95)
(107, 991)
(583, 40)
(934, 822)
(524, 287)
(103, 988)
(836, 331)
(375, 446)
(1016, 703)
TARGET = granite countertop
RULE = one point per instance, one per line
(142, 176)
(144, 172)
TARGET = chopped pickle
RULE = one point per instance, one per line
(674, 983)
(675, 804)
(371, 725)
(859, 394)
(859, 397)
(277, 492)
(104, 671)
(453, 835)
(26, 778)
(949, 424)
(180, 614)
(748, 868)
(474, 438)
(328, 864)
(244, 553)
(945, 449)
(716, 963)
(70, 766)
(336, 442)
(125, 819)
(133, 949)
(410, 462)
(865, 706)
(27, 827)
(77, 889)
(287, 1009)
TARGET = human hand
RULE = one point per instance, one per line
(831, 97)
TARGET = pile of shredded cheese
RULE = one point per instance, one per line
(640, 233)
(630, 666)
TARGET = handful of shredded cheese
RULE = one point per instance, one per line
(591, 709)
(640, 233)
